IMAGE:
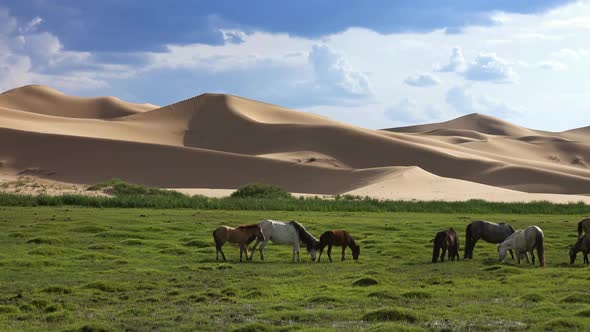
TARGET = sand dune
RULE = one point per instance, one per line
(44, 100)
(222, 141)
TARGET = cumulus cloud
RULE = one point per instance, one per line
(233, 36)
(31, 57)
(486, 67)
(335, 74)
(457, 63)
(422, 80)
(465, 101)
(490, 68)
(31, 26)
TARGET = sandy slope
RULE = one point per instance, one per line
(221, 141)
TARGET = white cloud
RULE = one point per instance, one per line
(422, 80)
(488, 67)
(456, 63)
(31, 26)
(333, 72)
(465, 101)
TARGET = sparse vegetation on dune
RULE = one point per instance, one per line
(84, 269)
(271, 198)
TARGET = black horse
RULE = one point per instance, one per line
(487, 231)
(445, 240)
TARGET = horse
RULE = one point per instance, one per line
(339, 238)
(445, 240)
(583, 226)
(525, 241)
(243, 235)
(583, 245)
(488, 231)
(291, 232)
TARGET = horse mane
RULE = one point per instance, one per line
(304, 235)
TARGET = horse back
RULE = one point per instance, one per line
(335, 237)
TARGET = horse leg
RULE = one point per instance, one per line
(262, 246)
(532, 257)
(330, 252)
(253, 248)
(222, 254)
(320, 256)
(442, 256)
(242, 251)
(586, 259)
(511, 253)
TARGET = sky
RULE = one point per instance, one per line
(371, 63)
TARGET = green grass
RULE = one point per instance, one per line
(174, 200)
(90, 269)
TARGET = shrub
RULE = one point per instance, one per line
(118, 187)
(391, 314)
(258, 190)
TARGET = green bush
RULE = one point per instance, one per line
(118, 187)
(258, 190)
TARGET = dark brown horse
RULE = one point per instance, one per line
(583, 245)
(338, 238)
(583, 227)
(445, 240)
(243, 235)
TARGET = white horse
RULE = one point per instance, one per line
(523, 242)
(286, 233)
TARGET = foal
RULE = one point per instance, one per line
(339, 238)
(445, 240)
(243, 235)
(583, 245)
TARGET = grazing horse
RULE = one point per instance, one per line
(583, 226)
(524, 241)
(487, 231)
(583, 245)
(290, 232)
(338, 238)
(445, 240)
(243, 235)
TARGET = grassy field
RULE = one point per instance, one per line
(91, 269)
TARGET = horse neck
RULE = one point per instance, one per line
(304, 235)
(351, 242)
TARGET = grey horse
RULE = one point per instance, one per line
(487, 231)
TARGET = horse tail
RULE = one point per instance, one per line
(540, 248)
(467, 241)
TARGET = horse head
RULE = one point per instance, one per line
(356, 251)
(502, 250)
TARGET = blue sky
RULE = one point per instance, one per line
(371, 63)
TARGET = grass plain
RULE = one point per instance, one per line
(101, 269)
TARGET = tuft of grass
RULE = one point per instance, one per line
(365, 281)
(323, 299)
(118, 187)
(576, 298)
(562, 324)
(391, 314)
(261, 191)
(8, 309)
(532, 297)
(104, 286)
(57, 290)
(44, 240)
(382, 295)
(132, 242)
(417, 295)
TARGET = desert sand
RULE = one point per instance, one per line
(214, 143)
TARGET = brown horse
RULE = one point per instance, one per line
(583, 245)
(338, 238)
(583, 227)
(243, 235)
(445, 240)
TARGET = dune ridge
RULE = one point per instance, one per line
(224, 141)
